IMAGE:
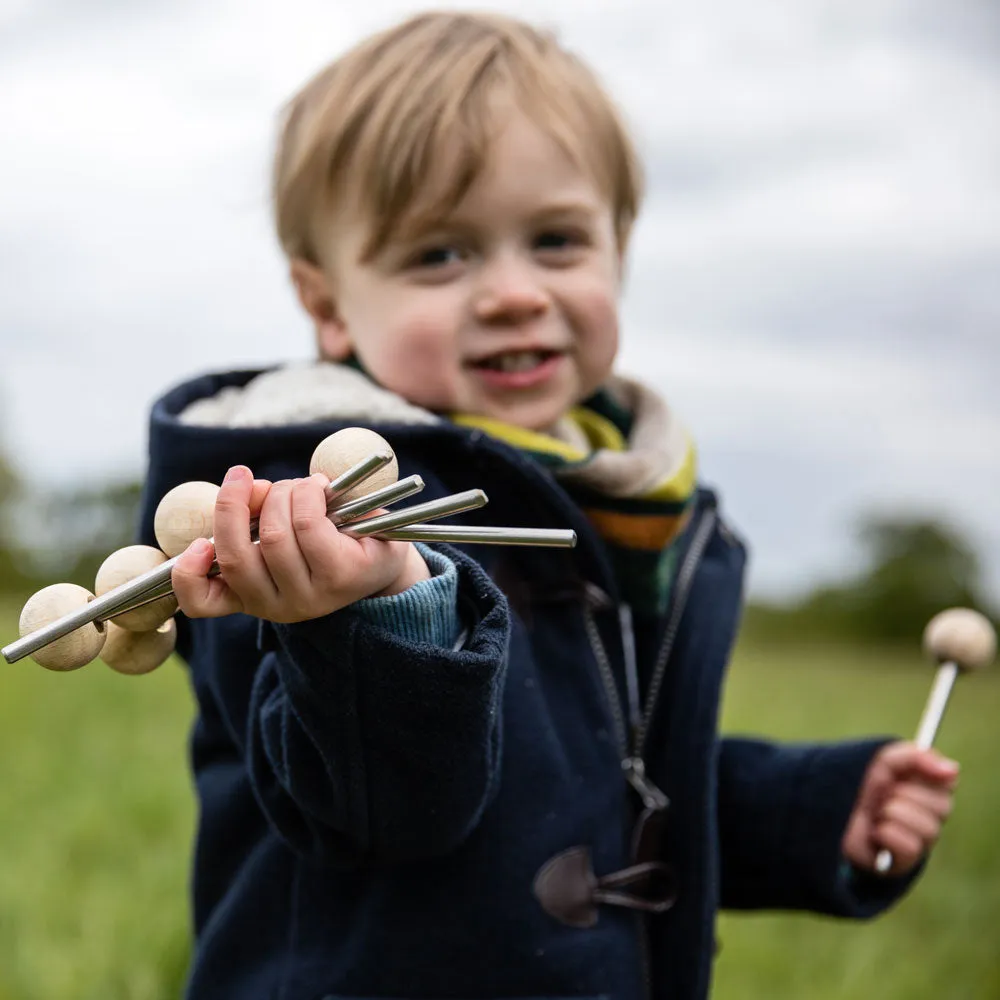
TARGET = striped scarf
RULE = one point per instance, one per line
(631, 467)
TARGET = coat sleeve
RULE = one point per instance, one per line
(783, 810)
(366, 746)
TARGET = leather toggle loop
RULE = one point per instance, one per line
(569, 891)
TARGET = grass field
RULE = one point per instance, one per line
(96, 820)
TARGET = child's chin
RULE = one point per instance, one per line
(536, 416)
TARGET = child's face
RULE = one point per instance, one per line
(507, 308)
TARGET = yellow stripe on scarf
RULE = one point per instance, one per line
(601, 433)
(535, 441)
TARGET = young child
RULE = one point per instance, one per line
(427, 771)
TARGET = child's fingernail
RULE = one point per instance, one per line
(201, 547)
(236, 473)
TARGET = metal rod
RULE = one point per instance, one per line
(930, 722)
(454, 504)
(401, 525)
(160, 577)
(459, 534)
(348, 479)
(156, 583)
(148, 586)
(493, 535)
(380, 498)
(338, 515)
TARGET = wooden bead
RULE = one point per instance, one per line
(961, 636)
(185, 513)
(139, 652)
(124, 565)
(71, 651)
(338, 452)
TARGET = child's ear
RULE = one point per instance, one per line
(317, 298)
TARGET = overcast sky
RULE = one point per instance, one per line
(815, 284)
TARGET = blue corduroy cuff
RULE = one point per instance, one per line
(427, 612)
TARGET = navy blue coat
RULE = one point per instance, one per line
(376, 816)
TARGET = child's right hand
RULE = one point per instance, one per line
(303, 567)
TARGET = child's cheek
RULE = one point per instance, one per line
(421, 359)
(596, 322)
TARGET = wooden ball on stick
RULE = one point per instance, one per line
(139, 652)
(338, 452)
(71, 651)
(961, 636)
(185, 513)
(124, 565)
(959, 640)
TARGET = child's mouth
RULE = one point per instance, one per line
(517, 369)
(515, 361)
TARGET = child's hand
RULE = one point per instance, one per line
(303, 567)
(904, 799)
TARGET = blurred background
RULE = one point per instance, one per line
(814, 285)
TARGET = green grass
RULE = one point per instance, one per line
(96, 819)
(942, 942)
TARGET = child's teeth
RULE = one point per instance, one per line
(520, 361)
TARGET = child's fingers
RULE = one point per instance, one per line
(258, 494)
(318, 539)
(919, 820)
(243, 567)
(934, 799)
(906, 846)
(937, 769)
(906, 760)
(348, 567)
(279, 545)
(198, 595)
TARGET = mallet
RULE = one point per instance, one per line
(67, 624)
(66, 621)
(959, 641)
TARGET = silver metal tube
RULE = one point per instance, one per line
(930, 722)
(348, 479)
(390, 494)
(454, 504)
(99, 609)
(355, 475)
(380, 498)
(545, 537)
(156, 582)
(143, 588)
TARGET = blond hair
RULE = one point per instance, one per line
(373, 129)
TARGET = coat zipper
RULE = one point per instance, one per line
(631, 741)
(685, 578)
(597, 598)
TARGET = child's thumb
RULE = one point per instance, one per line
(198, 595)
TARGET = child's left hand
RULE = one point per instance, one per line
(905, 797)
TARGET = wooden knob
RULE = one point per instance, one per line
(139, 652)
(185, 513)
(71, 651)
(961, 636)
(338, 452)
(124, 565)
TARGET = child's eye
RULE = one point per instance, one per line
(559, 239)
(436, 257)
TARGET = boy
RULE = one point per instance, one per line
(432, 772)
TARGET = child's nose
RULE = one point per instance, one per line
(509, 290)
